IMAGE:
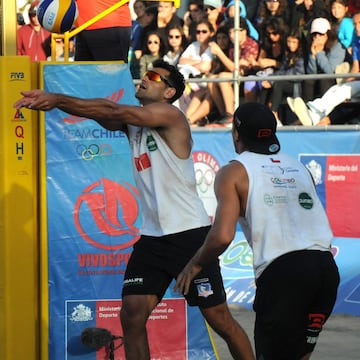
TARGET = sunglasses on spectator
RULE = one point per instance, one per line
(153, 42)
(269, 33)
(209, 8)
(271, 0)
(202, 31)
(174, 36)
(154, 76)
(32, 13)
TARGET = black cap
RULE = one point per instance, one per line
(256, 124)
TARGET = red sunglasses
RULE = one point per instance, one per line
(154, 76)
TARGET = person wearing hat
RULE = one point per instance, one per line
(274, 199)
(32, 39)
(325, 53)
(213, 12)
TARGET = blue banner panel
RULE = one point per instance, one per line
(333, 158)
(93, 219)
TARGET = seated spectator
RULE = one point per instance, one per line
(196, 60)
(343, 25)
(272, 52)
(272, 8)
(230, 14)
(324, 55)
(194, 14)
(201, 104)
(214, 12)
(302, 14)
(148, 24)
(153, 50)
(292, 64)
(222, 39)
(32, 39)
(167, 18)
(222, 93)
(176, 45)
(320, 111)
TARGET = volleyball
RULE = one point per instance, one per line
(57, 16)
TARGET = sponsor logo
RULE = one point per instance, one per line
(133, 282)
(306, 201)
(282, 181)
(17, 76)
(106, 215)
(271, 200)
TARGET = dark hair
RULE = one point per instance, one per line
(161, 43)
(175, 78)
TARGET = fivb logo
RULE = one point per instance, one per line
(107, 215)
(17, 76)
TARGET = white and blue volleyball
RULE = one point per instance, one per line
(57, 16)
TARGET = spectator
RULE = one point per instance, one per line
(176, 45)
(222, 39)
(32, 39)
(194, 14)
(302, 14)
(292, 64)
(272, 51)
(167, 18)
(230, 14)
(153, 50)
(106, 39)
(200, 106)
(328, 109)
(272, 8)
(196, 60)
(222, 93)
(137, 24)
(135, 50)
(19, 20)
(324, 55)
(251, 8)
(342, 24)
(59, 51)
(214, 13)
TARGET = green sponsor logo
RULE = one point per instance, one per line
(306, 201)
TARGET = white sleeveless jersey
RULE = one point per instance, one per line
(167, 187)
(283, 212)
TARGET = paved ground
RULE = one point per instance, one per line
(340, 339)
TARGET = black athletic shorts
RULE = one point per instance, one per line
(295, 296)
(156, 261)
(103, 44)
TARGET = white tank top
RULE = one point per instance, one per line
(283, 212)
(167, 187)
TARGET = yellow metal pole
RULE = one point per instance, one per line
(8, 27)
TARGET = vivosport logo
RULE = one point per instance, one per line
(107, 215)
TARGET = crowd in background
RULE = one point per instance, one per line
(276, 37)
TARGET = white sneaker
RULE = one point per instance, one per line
(290, 102)
(302, 112)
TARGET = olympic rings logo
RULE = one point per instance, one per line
(204, 179)
(89, 152)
